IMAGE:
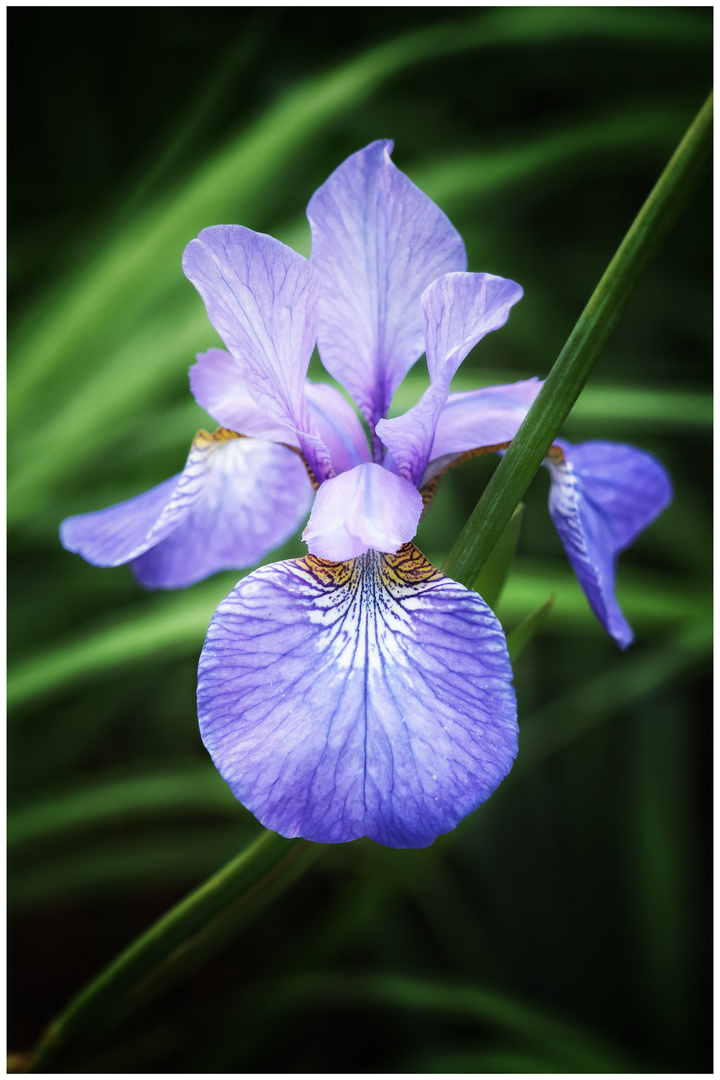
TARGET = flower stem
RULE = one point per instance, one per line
(239, 882)
(581, 351)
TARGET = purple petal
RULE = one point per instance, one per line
(218, 386)
(458, 311)
(234, 501)
(338, 425)
(262, 298)
(367, 507)
(483, 417)
(479, 418)
(601, 497)
(365, 698)
(121, 532)
(256, 496)
(377, 243)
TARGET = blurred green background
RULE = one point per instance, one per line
(564, 926)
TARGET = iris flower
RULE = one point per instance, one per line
(356, 691)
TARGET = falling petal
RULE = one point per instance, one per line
(235, 500)
(602, 496)
(370, 697)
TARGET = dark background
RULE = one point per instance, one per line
(581, 890)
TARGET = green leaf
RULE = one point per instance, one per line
(479, 176)
(106, 867)
(181, 790)
(595, 701)
(525, 631)
(578, 357)
(649, 600)
(578, 1050)
(242, 880)
(168, 626)
(491, 580)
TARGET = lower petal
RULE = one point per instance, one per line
(370, 697)
(119, 533)
(235, 500)
(256, 496)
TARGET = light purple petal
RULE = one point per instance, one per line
(256, 496)
(118, 533)
(234, 501)
(458, 311)
(370, 698)
(377, 243)
(367, 507)
(601, 497)
(479, 418)
(218, 386)
(262, 298)
(338, 426)
(483, 417)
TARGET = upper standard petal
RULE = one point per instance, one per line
(377, 243)
(602, 496)
(218, 386)
(365, 698)
(458, 311)
(262, 298)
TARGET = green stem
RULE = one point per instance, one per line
(235, 885)
(580, 353)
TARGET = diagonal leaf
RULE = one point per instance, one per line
(578, 357)
(577, 1049)
(491, 580)
(183, 789)
(233, 887)
(526, 630)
